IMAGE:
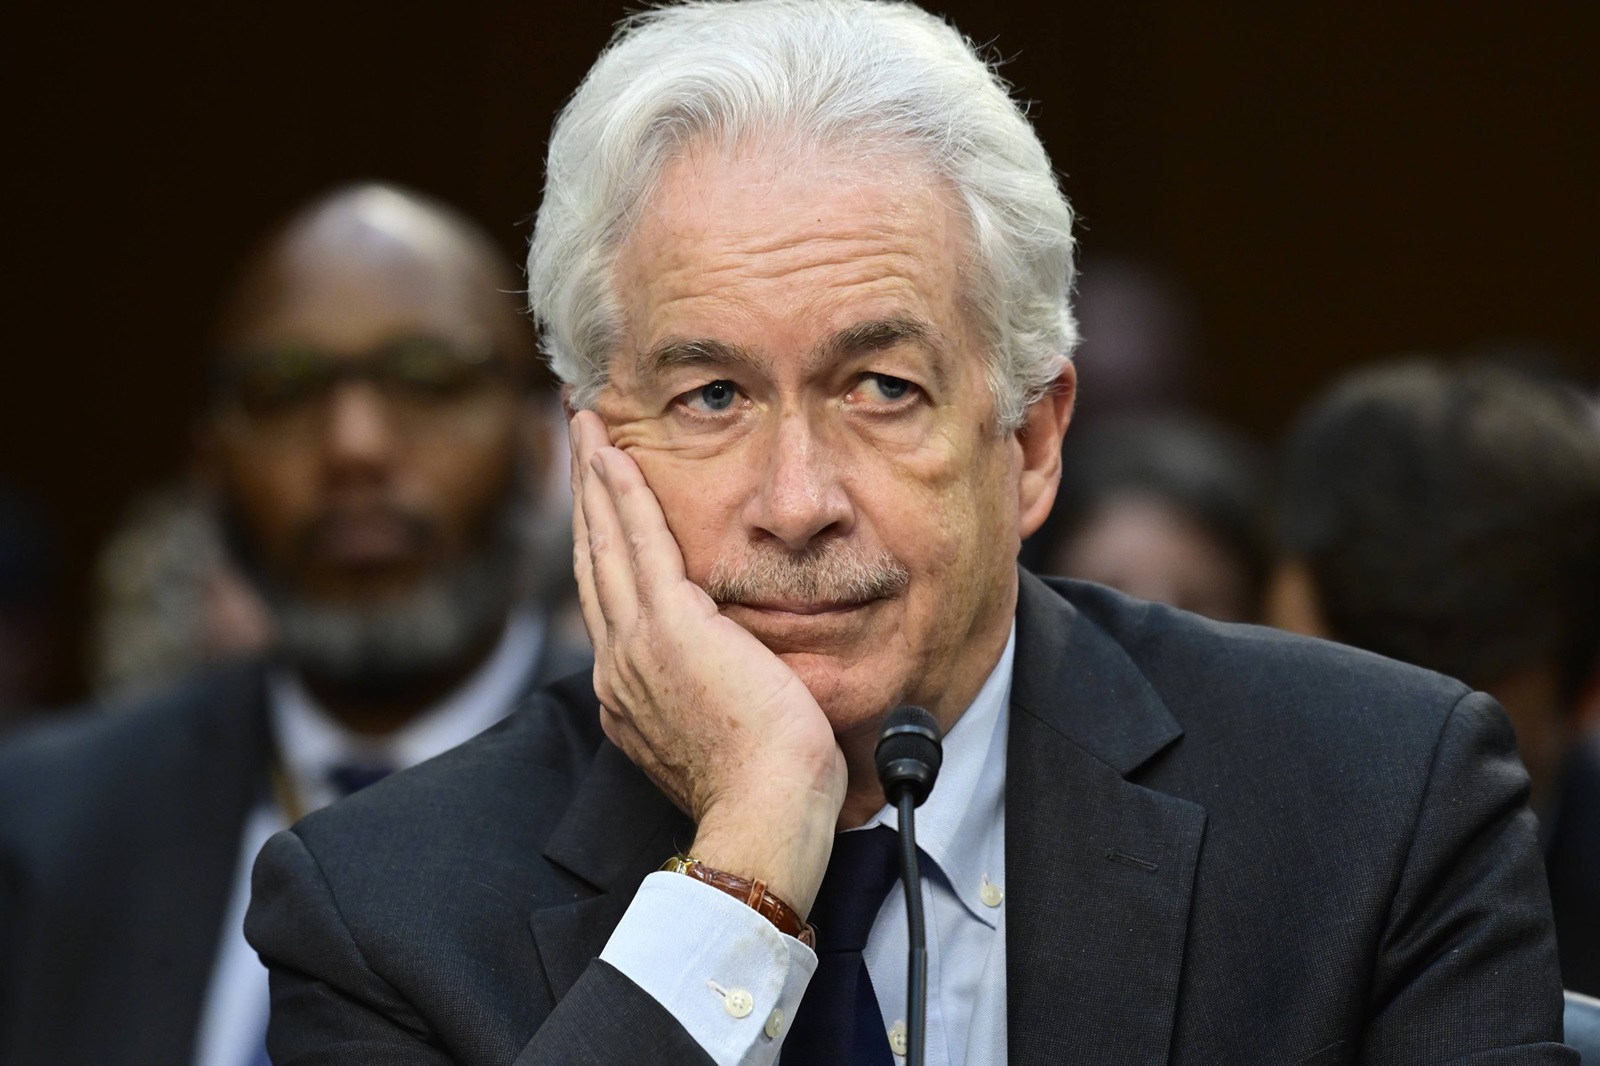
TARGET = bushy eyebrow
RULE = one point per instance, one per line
(676, 351)
(878, 334)
(858, 339)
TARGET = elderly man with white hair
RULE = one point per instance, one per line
(804, 268)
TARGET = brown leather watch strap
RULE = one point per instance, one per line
(752, 894)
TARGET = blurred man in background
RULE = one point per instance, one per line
(1163, 507)
(369, 444)
(1451, 518)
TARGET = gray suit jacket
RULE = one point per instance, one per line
(1224, 845)
(119, 838)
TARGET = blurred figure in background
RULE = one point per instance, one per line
(1141, 342)
(1164, 508)
(1450, 517)
(372, 438)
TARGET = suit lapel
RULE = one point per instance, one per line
(619, 829)
(1100, 870)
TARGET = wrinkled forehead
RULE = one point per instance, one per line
(778, 167)
(791, 230)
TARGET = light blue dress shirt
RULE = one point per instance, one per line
(734, 981)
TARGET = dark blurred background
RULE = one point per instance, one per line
(1305, 188)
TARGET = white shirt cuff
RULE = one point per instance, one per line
(725, 972)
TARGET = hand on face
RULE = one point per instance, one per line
(717, 720)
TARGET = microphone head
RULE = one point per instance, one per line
(909, 754)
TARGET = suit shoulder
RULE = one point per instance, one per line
(453, 845)
(87, 744)
(1250, 677)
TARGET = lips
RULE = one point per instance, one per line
(816, 628)
(779, 607)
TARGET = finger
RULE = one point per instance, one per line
(654, 554)
(610, 568)
(582, 565)
(589, 435)
(656, 559)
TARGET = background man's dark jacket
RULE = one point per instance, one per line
(119, 838)
(1224, 845)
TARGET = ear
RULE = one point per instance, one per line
(1040, 440)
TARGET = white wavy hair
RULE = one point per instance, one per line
(858, 74)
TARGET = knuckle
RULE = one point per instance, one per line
(638, 542)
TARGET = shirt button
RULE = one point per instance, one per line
(991, 894)
(898, 1042)
(774, 1024)
(738, 1002)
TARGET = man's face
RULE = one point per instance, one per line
(351, 488)
(803, 391)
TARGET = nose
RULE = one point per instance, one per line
(802, 496)
(359, 440)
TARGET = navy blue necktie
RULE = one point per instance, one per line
(839, 1022)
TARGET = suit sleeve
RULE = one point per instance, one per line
(1469, 944)
(328, 1006)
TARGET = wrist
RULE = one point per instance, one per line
(752, 894)
(784, 846)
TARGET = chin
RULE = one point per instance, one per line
(852, 703)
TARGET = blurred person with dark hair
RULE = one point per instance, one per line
(367, 445)
(1162, 507)
(1450, 517)
(1141, 346)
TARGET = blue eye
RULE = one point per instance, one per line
(890, 388)
(718, 395)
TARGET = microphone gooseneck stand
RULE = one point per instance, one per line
(917, 959)
(908, 758)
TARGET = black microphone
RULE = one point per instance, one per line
(908, 757)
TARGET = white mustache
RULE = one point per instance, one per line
(833, 573)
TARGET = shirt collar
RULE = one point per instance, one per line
(311, 741)
(960, 825)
